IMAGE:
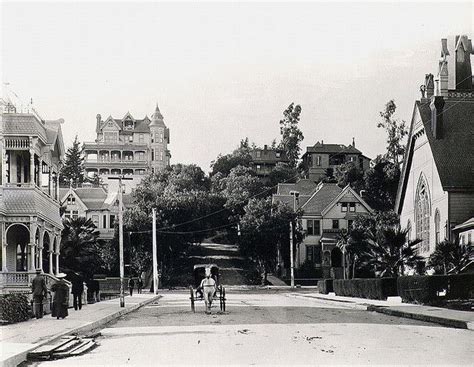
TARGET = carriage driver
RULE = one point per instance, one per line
(208, 286)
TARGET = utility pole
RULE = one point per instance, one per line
(155, 262)
(120, 215)
(292, 265)
(295, 195)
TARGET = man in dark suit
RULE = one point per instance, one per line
(39, 290)
(77, 290)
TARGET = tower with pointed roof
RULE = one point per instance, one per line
(127, 146)
(159, 140)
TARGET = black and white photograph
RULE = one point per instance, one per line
(236, 183)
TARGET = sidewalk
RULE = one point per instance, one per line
(18, 339)
(394, 307)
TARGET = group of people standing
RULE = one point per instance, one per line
(60, 288)
(131, 285)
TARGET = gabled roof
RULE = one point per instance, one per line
(340, 198)
(321, 198)
(453, 154)
(268, 156)
(54, 135)
(289, 199)
(69, 192)
(466, 225)
(332, 148)
(92, 197)
(303, 186)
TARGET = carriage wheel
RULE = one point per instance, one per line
(223, 299)
(220, 297)
(191, 291)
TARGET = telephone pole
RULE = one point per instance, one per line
(120, 215)
(292, 264)
(155, 262)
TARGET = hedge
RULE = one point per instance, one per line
(325, 286)
(375, 288)
(433, 288)
(14, 307)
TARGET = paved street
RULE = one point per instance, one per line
(270, 327)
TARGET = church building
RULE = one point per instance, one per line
(436, 188)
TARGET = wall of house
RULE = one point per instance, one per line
(461, 207)
(423, 164)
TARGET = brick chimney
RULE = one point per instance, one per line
(429, 85)
(462, 66)
(437, 105)
(99, 119)
(442, 77)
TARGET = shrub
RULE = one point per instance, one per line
(433, 288)
(375, 288)
(307, 270)
(325, 286)
(14, 307)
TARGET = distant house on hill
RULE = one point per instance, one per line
(321, 158)
(327, 209)
(436, 189)
(94, 203)
(265, 160)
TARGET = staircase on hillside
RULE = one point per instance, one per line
(232, 266)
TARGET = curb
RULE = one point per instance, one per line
(459, 324)
(15, 360)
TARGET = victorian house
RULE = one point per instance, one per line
(95, 203)
(129, 147)
(327, 209)
(435, 198)
(31, 150)
(323, 159)
(265, 160)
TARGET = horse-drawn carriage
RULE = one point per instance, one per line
(196, 293)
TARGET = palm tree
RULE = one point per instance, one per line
(449, 256)
(79, 242)
(389, 251)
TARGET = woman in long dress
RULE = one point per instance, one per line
(61, 297)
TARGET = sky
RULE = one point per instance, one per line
(224, 71)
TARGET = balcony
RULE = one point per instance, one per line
(100, 163)
(113, 146)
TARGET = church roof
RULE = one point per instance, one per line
(454, 152)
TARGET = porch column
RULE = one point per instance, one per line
(40, 171)
(4, 162)
(40, 250)
(32, 163)
(50, 255)
(4, 248)
(57, 186)
(32, 245)
(57, 262)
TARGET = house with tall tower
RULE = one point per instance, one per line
(129, 147)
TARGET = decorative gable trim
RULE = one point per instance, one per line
(78, 199)
(108, 122)
(344, 191)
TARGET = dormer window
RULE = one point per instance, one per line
(278, 154)
(128, 125)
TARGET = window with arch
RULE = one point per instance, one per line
(422, 214)
(409, 231)
(437, 223)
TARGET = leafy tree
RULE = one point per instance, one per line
(265, 227)
(381, 184)
(291, 135)
(73, 169)
(240, 185)
(450, 257)
(239, 157)
(79, 243)
(282, 173)
(389, 252)
(350, 174)
(396, 132)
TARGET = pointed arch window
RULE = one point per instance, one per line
(422, 214)
(437, 223)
